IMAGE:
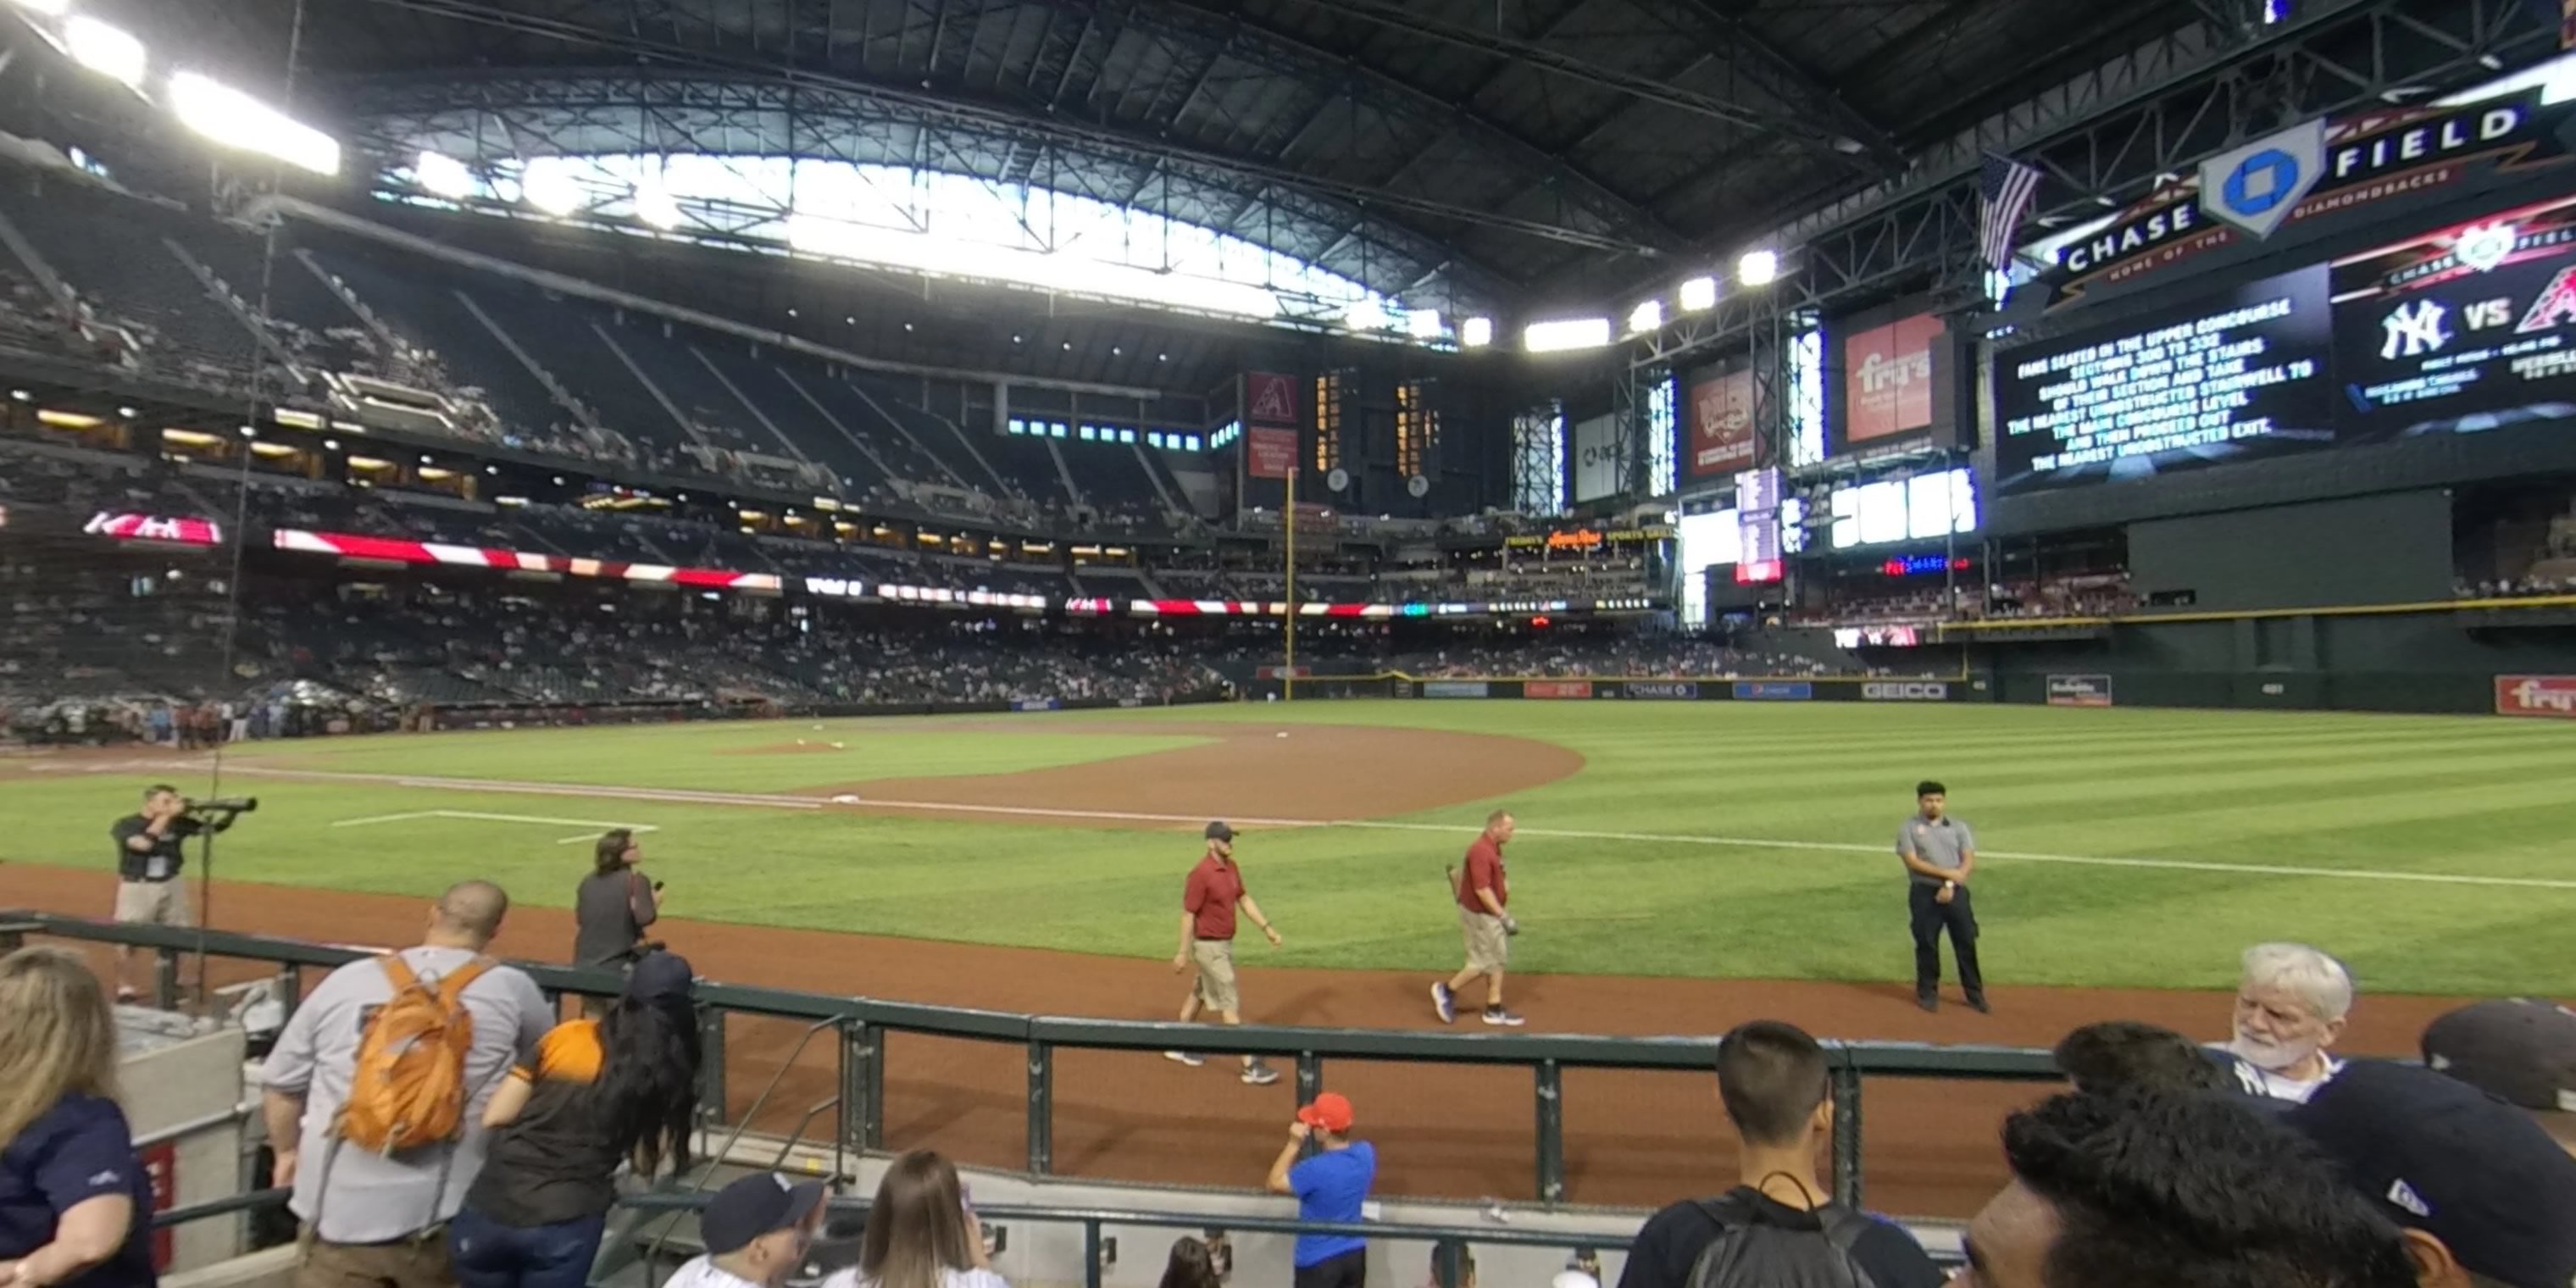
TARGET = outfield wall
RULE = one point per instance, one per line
(1632, 689)
(2443, 659)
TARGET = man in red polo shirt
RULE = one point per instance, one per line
(1482, 901)
(1207, 941)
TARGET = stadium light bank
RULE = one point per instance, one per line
(209, 107)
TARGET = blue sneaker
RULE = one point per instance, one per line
(1446, 1005)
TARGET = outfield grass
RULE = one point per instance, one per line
(2318, 793)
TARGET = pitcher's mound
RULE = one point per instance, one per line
(1322, 773)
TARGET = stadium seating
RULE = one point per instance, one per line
(134, 283)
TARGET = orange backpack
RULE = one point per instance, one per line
(409, 1089)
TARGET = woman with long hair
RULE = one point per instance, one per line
(921, 1233)
(1190, 1265)
(618, 1091)
(71, 1190)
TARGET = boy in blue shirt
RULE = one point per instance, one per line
(1331, 1186)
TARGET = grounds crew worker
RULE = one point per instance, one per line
(1940, 853)
(148, 858)
(1208, 903)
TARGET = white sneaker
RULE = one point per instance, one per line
(1259, 1075)
(1501, 1018)
(1184, 1057)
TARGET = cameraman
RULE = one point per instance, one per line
(614, 904)
(148, 889)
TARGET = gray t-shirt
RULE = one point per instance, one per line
(373, 1198)
(610, 912)
(1939, 844)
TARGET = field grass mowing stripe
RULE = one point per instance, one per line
(686, 797)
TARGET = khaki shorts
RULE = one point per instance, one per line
(154, 903)
(1215, 958)
(1488, 948)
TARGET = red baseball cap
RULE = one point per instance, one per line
(1330, 1112)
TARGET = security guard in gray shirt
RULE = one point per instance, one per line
(1940, 854)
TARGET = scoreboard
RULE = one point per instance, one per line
(2458, 331)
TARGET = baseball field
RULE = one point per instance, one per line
(1727, 841)
(1679, 867)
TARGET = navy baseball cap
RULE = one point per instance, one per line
(2441, 1156)
(658, 975)
(753, 1206)
(1219, 832)
(2521, 1051)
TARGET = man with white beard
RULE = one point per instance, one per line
(2291, 1004)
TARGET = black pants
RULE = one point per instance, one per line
(1349, 1270)
(1931, 917)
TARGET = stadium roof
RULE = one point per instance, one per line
(1469, 155)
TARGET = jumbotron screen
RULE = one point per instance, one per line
(2457, 331)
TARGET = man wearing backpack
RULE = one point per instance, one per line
(1778, 1228)
(374, 1095)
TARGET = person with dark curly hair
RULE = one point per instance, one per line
(2147, 1190)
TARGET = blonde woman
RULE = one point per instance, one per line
(921, 1233)
(72, 1195)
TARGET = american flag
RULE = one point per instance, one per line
(2006, 187)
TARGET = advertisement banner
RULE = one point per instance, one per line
(1037, 704)
(1773, 690)
(1269, 453)
(1596, 458)
(1556, 689)
(1721, 424)
(1662, 690)
(2083, 690)
(1269, 398)
(2536, 695)
(183, 530)
(1887, 379)
(1455, 689)
(1905, 691)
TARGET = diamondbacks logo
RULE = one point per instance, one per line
(1269, 398)
(2556, 306)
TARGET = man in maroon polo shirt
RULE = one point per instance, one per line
(1207, 942)
(1482, 903)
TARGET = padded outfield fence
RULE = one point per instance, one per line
(857, 1028)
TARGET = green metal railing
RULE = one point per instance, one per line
(861, 1025)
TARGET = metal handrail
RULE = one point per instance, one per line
(192, 1126)
(246, 1201)
(865, 1019)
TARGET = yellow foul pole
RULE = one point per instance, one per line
(1288, 677)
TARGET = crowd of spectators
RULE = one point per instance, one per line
(2264, 1161)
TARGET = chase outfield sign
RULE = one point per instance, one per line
(2309, 172)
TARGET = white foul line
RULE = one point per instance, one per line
(499, 818)
(681, 796)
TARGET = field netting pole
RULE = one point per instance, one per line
(1288, 673)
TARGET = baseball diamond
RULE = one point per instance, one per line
(1063, 903)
